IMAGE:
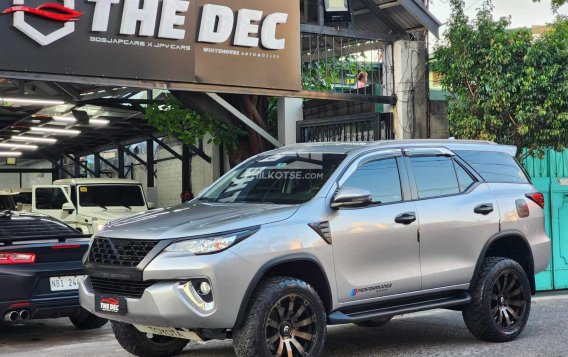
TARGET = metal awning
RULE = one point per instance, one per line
(394, 17)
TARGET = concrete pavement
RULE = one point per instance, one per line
(431, 333)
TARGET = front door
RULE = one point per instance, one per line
(374, 255)
(53, 200)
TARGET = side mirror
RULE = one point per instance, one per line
(351, 197)
(68, 207)
(151, 205)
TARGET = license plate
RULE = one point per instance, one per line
(170, 332)
(110, 304)
(62, 283)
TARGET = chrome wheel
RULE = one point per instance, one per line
(508, 301)
(291, 327)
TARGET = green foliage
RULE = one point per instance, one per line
(188, 126)
(506, 87)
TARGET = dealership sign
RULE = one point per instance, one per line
(249, 43)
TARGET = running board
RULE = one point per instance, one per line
(376, 311)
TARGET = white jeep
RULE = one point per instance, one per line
(88, 204)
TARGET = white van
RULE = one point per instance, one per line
(89, 204)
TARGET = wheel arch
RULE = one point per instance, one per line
(302, 266)
(511, 244)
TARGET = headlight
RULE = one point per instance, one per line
(210, 244)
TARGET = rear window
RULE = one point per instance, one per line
(17, 227)
(494, 166)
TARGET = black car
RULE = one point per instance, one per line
(40, 268)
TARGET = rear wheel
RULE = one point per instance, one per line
(375, 323)
(146, 345)
(501, 301)
(285, 318)
(84, 320)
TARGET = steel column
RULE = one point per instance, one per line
(150, 160)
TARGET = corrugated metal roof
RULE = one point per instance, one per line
(398, 16)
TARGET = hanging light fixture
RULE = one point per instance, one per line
(55, 131)
(33, 139)
(18, 146)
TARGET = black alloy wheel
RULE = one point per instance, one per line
(508, 304)
(291, 326)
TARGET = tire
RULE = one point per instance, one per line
(84, 320)
(374, 323)
(140, 344)
(501, 302)
(277, 308)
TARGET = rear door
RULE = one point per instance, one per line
(457, 216)
(50, 200)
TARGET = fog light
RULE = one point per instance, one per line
(194, 293)
(205, 288)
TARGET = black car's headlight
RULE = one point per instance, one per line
(209, 245)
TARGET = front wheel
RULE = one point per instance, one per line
(285, 318)
(501, 301)
(145, 345)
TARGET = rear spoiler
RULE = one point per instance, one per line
(58, 238)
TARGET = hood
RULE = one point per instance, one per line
(103, 216)
(195, 219)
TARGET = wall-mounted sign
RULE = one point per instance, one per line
(250, 43)
(12, 161)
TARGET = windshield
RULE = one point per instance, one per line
(286, 178)
(111, 195)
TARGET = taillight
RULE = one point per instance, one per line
(537, 198)
(17, 258)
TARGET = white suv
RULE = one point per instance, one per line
(89, 204)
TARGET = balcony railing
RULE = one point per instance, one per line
(333, 63)
(355, 128)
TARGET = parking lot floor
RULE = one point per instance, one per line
(430, 333)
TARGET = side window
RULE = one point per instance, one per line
(464, 178)
(50, 198)
(379, 177)
(434, 176)
(494, 166)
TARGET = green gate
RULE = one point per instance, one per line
(550, 175)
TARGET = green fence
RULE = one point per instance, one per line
(550, 176)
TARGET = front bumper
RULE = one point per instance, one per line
(164, 305)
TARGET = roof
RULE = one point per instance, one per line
(347, 148)
(96, 181)
(398, 16)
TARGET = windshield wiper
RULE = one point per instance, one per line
(127, 206)
(101, 206)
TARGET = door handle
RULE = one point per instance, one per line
(484, 209)
(405, 218)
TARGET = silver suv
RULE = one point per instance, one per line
(312, 235)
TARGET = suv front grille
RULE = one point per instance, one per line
(131, 289)
(120, 252)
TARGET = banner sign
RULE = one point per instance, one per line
(248, 43)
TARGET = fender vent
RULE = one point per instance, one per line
(322, 228)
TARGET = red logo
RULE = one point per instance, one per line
(110, 301)
(49, 11)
